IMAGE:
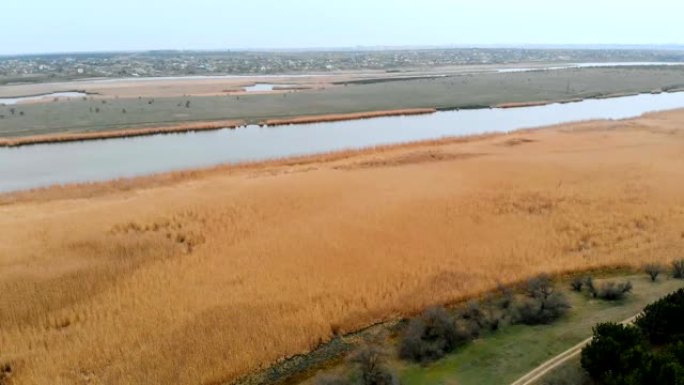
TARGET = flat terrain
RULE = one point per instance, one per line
(503, 357)
(202, 277)
(144, 103)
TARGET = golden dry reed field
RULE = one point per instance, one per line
(200, 278)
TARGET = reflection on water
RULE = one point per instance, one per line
(588, 65)
(47, 164)
(43, 97)
(262, 87)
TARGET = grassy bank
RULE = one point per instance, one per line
(501, 358)
(454, 91)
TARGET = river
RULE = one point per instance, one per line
(61, 163)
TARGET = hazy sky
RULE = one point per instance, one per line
(28, 26)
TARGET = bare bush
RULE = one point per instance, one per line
(506, 298)
(432, 335)
(612, 291)
(540, 287)
(577, 284)
(544, 304)
(371, 363)
(591, 288)
(678, 269)
(653, 270)
(535, 311)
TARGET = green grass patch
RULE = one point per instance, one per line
(450, 92)
(504, 356)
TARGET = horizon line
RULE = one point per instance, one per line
(362, 48)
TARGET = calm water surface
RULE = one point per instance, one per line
(47, 164)
(43, 97)
(261, 87)
(589, 65)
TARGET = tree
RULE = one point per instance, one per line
(663, 320)
(614, 353)
(650, 352)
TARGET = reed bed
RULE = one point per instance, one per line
(123, 133)
(351, 116)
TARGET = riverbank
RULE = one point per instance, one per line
(127, 133)
(207, 276)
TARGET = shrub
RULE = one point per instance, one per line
(480, 317)
(653, 270)
(577, 284)
(506, 297)
(371, 364)
(544, 304)
(431, 336)
(611, 291)
(678, 269)
(535, 311)
(473, 312)
(663, 320)
(494, 318)
(589, 283)
(468, 330)
(540, 287)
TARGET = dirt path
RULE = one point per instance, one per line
(540, 371)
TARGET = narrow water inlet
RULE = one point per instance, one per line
(42, 97)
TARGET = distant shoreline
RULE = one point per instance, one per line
(9, 142)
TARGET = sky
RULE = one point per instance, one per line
(45, 26)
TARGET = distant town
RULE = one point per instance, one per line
(56, 67)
